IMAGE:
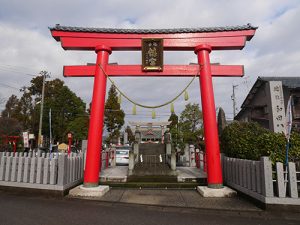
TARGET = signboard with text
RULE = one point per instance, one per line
(277, 102)
(26, 139)
(152, 54)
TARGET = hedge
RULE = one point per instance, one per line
(251, 141)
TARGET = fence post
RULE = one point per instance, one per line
(20, 169)
(26, 169)
(33, 170)
(81, 163)
(53, 171)
(62, 169)
(228, 168)
(267, 177)
(249, 174)
(14, 168)
(46, 175)
(40, 167)
(232, 168)
(3, 166)
(258, 176)
(73, 163)
(292, 180)
(8, 168)
(280, 180)
(253, 177)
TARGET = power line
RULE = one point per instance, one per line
(6, 85)
(17, 72)
(17, 68)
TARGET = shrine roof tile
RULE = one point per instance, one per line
(58, 27)
(290, 82)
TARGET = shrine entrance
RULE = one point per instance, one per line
(152, 43)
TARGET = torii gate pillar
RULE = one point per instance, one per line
(92, 168)
(214, 171)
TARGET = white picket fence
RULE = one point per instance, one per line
(258, 180)
(41, 171)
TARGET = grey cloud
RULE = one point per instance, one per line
(25, 41)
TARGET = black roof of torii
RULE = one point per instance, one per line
(58, 27)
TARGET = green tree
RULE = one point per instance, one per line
(79, 127)
(190, 124)
(131, 137)
(66, 108)
(114, 116)
(11, 105)
(10, 126)
(173, 127)
(221, 121)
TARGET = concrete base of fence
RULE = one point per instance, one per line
(216, 193)
(81, 191)
(40, 189)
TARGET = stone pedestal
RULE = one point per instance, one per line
(168, 149)
(186, 155)
(81, 191)
(131, 163)
(173, 161)
(192, 156)
(224, 192)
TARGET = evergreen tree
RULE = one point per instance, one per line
(10, 107)
(173, 127)
(114, 116)
(131, 137)
(221, 121)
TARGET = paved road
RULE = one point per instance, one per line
(23, 210)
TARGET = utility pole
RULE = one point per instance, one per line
(50, 131)
(44, 74)
(234, 99)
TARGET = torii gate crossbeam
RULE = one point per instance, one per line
(200, 40)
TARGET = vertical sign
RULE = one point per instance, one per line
(277, 102)
(26, 139)
(152, 54)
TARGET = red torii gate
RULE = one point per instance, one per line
(200, 40)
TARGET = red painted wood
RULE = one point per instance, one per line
(169, 70)
(221, 43)
(94, 148)
(202, 43)
(212, 149)
(247, 33)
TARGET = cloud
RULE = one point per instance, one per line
(27, 46)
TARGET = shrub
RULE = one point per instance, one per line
(251, 141)
(239, 140)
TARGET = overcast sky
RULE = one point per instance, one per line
(27, 47)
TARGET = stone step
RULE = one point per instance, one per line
(152, 149)
(152, 185)
(152, 178)
(152, 169)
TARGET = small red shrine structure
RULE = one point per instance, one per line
(200, 40)
(11, 140)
